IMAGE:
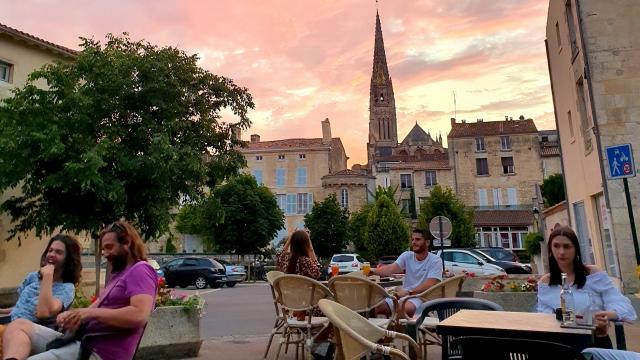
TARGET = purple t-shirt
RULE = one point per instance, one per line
(140, 279)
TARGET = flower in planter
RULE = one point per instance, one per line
(167, 297)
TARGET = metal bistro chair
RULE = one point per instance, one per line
(296, 293)
(358, 337)
(446, 307)
(280, 317)
(362, 295)
(494, 348)
(425, 330)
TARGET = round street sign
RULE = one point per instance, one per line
(434, 227)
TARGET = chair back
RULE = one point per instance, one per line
(483, 347)
(357, 335)
(448, 306)
(299, 293)
(357, 293)
(448, 288)
(271, 277)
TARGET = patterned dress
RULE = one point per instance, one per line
(305, 266)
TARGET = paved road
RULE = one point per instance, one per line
(246, 309)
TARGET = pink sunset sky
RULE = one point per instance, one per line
(304, 61)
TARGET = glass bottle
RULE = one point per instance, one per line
(567, 303)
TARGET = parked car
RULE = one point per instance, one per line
(235, 273)
(154, 264)
(457, 261)
(509, 266)
(499, 253)
(347, 262)
(196, 271)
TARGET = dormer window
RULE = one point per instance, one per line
(381, 97)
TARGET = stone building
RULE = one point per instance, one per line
(550, 153)
(593, 53)
(20, 54)
(352, 189)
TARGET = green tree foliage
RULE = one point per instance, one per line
(386, 231)
(445, 203)
(412, 205)
(553, 190)
(532, 243)
(126, 129)
(252, 216)
(357, 230)
(169, 248)
(201, 218)
(328, 224)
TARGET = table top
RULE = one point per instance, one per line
(511, 321)
(385, 282)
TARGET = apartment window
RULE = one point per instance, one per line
(585, 121)
(258, 175)
(497, 197)
(482, 167)
(570, 124)
(558, 34)
(280, 175)
(406, 181)
(405, 204)
(301, 176)
(281, 157)
(482, 197)
(505, 143)
(573, 40)
(259, 157)
(304, 200)
(5, 71)
(480, 144)
(507, 165)
(344, 198)
(430, 178)
(512, 197)
(302, 156)
(291, 203)
(508, 237)
(282, 201)
(421, 200)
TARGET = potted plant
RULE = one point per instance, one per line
(511, 294)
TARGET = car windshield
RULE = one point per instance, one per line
(482, 255)
(342, 258)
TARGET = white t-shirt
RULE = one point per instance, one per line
(417, 272)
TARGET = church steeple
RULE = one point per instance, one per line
(383, 129)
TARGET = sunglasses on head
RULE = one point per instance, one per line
(115, 227)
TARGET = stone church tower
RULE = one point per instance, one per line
(383, 128)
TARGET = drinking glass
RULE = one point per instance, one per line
(366, 268)
(335, 269)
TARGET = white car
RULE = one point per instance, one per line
(457, 260)
(346, 262)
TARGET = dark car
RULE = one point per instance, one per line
(386, 260)
(500, 254)
(510, 267)
(196, 271)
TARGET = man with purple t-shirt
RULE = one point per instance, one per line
(113, 325)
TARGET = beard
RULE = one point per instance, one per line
(119, 262)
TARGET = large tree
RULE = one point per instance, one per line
(252, 216)
(386, 231)
(444, 202)
(328, 224)
(126, 129)
(553, 190)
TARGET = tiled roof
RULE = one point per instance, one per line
(488, 128)
(292, 144)
(550, 149)
(502, 218)
(36, 40)
(348, 173)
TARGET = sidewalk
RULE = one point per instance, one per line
(252, 347)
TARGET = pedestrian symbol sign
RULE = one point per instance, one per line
(620, 160)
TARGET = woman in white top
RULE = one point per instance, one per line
(591, 286)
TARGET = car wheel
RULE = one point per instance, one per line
(201, 282)
(231, 284)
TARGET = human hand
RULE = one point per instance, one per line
(72, 319)
(47, 270)
(400, 293)
(601, 322)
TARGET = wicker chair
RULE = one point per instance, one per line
(362, 295)
(297, 293)
(280, 317)
(357, 336)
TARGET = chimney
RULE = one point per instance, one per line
(480, 120)
(326, 132)
(453, 121)
(255, 138)
(506, 118)
(521, 117)
(236, 133)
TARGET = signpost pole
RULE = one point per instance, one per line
(442, 242)
(634, 235)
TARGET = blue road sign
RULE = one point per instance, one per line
(620, 160)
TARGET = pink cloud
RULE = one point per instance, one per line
(305, 61)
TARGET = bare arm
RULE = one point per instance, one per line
(47, 305)
(387, 270)
(424, 286)
(132, 316)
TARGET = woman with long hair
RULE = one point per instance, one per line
(591, 286)
(298, 257)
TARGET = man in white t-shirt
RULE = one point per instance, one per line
(422, 271)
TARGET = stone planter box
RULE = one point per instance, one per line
(8, 296)
(510, 301)
(173, 332)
